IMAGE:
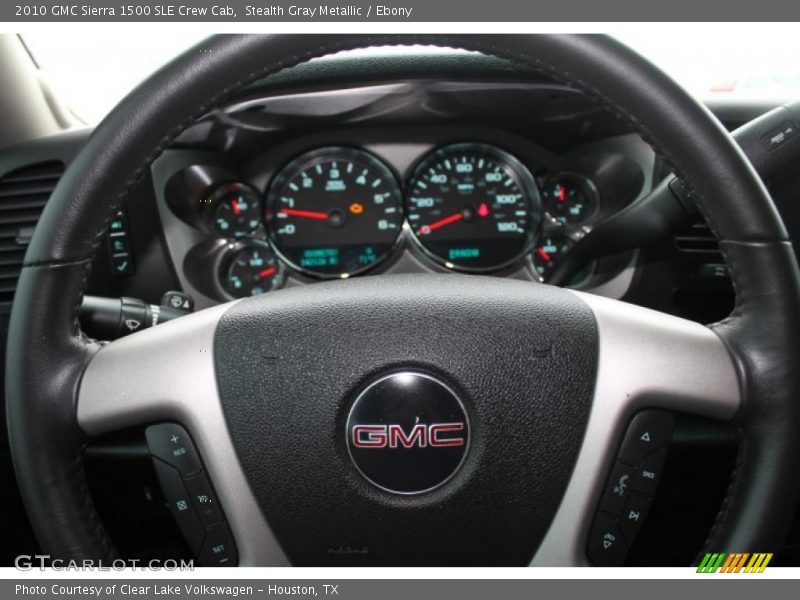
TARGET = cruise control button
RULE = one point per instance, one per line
(648, 431)
(607, 547)
(118, 223)
(649, 472)
(633, 516)
(617, 489)
(180, 504)
(218, 549)
(171, 443)
(205, 501)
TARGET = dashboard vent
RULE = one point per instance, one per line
(23, 194)
(696, 237)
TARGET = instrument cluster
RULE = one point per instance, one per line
(337, 212)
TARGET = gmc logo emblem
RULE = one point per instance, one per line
(438, 435)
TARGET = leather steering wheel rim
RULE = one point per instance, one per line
(47, 352)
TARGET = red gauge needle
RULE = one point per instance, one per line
(562, 193)
(544, 254)
(425, 229)
(303, 214)
(237, 210)
(267, 273)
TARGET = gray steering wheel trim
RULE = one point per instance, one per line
(699, 378)
(48, 355)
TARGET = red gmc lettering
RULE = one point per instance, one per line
(443, 428)
(438, 435)
(369, 436)
(418, 436)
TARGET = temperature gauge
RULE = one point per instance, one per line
(549, 251)
(570, 198)
(250, 269)
(237, 210)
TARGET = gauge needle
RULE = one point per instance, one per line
(303, 214)
(562, 193)
(267, 273)
(237, 210)
(440, 223)
(544, 254)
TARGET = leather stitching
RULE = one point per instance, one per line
(97, 529)
(730, 492)
(53, 263)
(76, 309)
(735, 480)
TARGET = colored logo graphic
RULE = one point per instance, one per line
(743, 562)
(407, 433)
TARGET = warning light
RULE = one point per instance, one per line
(356, 208)
(483, 209)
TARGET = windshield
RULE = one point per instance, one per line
(91, 73)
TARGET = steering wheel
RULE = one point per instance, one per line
(437, 419)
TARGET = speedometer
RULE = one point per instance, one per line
(334, 212)
(473, 207)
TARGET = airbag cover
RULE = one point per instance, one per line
(521, 357)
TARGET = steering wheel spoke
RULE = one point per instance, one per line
(647, 360)
(164, 374)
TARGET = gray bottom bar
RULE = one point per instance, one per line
(733, 587)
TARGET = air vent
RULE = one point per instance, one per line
(23, 194)
(696, 237)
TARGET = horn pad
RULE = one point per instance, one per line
(408, 419)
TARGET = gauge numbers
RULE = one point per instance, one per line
(250, 269)
(473, 207)
(237, 211)
(570, 198)
(334, 212)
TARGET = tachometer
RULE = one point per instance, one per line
(473, 207)
(334, 212)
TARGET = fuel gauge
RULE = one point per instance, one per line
(250, 269)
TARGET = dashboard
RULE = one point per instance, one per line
(285, 206)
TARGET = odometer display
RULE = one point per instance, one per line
(473, 207)
(334, 212)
